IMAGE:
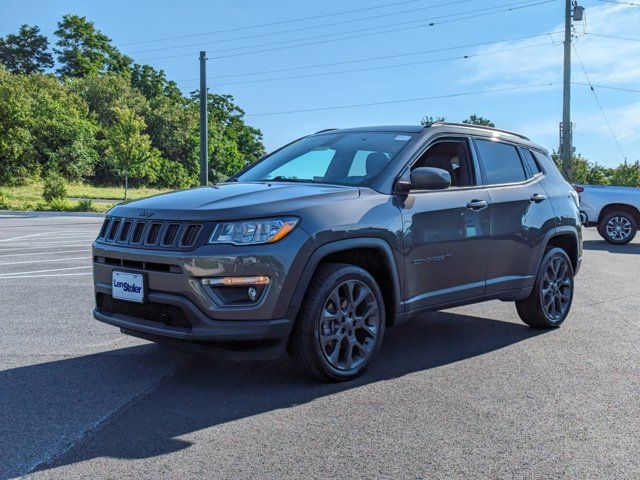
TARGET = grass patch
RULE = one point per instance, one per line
(29, 197)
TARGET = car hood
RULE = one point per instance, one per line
(235, 200)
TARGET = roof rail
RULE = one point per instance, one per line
(471, 125)
(325, 130)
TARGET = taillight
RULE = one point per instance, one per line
(578, 188)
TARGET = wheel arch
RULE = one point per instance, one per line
(372, 254)
(569, 240)
(624, 207)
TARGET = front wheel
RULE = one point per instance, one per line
(341, 324)
(550, 300)
(618, 227)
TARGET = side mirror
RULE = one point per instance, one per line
(430, 178)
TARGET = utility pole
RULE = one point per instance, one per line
(204, 147)
(572, 11)
(565, 146)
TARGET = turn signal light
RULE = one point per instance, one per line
(235, 281)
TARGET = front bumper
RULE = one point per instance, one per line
(177, 289)
(202, 328)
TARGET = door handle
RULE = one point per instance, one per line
(538, 197)
(477, 205)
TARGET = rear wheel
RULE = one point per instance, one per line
(341, 324)
(550, 300)
(618, 227)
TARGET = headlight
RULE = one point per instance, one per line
(252, 232)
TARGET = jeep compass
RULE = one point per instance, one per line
(323, 244)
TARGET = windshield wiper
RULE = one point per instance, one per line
(281, 178)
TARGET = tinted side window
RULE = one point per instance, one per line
(530, 162)
(501, 162)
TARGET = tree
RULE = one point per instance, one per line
(476, 120)
(84, 51)
(129, 149)
(153, 83)
(26, 52)
(233, 144)
(17, 162)
(428, 120)
(626, 174)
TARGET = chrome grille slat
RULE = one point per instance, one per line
(161, 234)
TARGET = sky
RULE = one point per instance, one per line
(386, 55)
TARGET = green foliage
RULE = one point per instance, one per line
(59, 205)
(84, 51)
(84, 205)
(626, 174)
(428, 120)
(4, 202)
(105, 119)
(153, 83)
(232, 144)
(129, 150)
(54, 187)
(476, 120)
(26, 52)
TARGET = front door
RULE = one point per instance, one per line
(446, 232)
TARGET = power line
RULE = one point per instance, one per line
(381, 67)
(324, 25)
(620, 3)
(613, 36)
(385, 57)
(429, 24)
(608, 87)
(388, 102)
(595, 95)
(283, 22)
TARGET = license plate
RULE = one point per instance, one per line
(127, 286)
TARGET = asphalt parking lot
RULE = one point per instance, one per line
(469, 392)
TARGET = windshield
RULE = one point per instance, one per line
(354, 158)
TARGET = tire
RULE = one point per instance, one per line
(330, 321)
(554, 282)
(618, 227)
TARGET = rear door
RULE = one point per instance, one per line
(521, 213)
(446, 240)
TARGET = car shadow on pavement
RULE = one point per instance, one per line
(601, 245)
(204, 391)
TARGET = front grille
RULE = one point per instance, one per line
(124, 231)
(170, 315)
(164, 234)
(170, 235)
(137, 232)
(154, 232)
(190, 235)
(115, 224)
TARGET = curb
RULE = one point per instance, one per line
(33, 214)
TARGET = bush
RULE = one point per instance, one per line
(84, 205)
(4, 203)
(60, 205)
(54, 187)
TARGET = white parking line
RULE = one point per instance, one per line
(13, 274)
(48, 260)
(45, 253)
(49, 275)
(43, 247)
(25, 236)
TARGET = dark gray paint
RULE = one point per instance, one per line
(442, 248)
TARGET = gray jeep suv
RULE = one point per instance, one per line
(324, 243)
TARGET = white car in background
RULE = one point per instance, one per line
(614, 210)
